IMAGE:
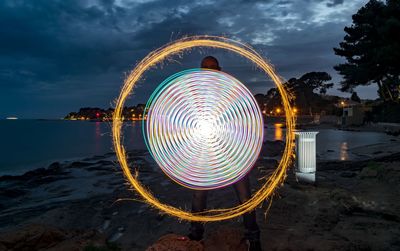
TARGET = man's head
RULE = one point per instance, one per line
(210, 62)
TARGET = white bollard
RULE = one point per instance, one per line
(306, 164)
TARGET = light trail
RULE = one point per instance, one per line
(176, 47)
(203, 128)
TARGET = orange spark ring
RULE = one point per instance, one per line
(178, 46)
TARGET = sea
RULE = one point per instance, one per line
(30, 144)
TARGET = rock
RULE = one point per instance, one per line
(226, 239)
(39, 176)
(160, 217)
(106, 224)
(55, 165)
(6, 178)
(272, 148)
(265, 164)
(116, 236)
(47, 238)
(105, 163)
(393, 133)
(347, 174)
(175, 242)
(12, 193)
(368, 172)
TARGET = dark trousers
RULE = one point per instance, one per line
(243, 193)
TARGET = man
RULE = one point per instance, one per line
(242, 189)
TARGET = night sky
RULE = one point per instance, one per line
(57, 56)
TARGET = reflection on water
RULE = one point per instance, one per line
(33, 143)
(278, 131)
(344, 155)
(97, 137)
(98, 130)
(333, 144)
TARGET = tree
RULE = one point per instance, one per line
(310, 82)
(354, 97)
(316, 81)
(304, 89)
(371, 47)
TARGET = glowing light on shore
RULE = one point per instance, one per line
(176, 47)
(278, 131)
(11, 118)
(204, 129)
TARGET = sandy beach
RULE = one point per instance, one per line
(353, 206)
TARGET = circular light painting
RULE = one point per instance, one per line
(239, 127)
(203, 128)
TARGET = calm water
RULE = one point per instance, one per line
(28, 144)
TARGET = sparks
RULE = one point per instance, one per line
(176, 47)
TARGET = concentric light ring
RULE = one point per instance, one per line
(203, 128)
(176, 47)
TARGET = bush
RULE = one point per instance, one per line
(387, 112)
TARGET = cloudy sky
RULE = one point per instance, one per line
(59, 55)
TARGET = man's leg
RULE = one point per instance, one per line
(243, 192)
(199, 204)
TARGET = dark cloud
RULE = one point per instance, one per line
(334, 2)
(56, 56)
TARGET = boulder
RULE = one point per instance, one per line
(176, 243)
(368, 172)
(226, 239)
(47, 238)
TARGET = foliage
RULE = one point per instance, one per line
(371, 47)
(314, 81)
(386, 112)
(354, 97)
(305, 98)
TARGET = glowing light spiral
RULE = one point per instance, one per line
(177, 47)
(204, 128)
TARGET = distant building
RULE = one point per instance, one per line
(353, 113)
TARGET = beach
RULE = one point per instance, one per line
(79, 203)
(112, 112)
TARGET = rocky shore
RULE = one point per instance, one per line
(87, 205)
